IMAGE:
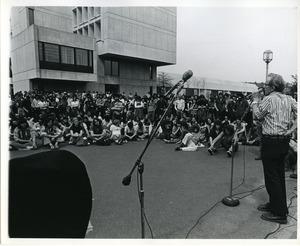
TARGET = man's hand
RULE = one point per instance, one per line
(256, 97)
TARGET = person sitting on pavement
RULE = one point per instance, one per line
(240, 130)
(191, 140)
(50, 134)
(141, 132)
(24, 139)
(225, 139)
(99, 135)
(116, 132)
(77, 136)
(176, 133)
(130, 132)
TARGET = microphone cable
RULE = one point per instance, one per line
(138, 187)
(279, 227)
(251, 191)
(187, 235)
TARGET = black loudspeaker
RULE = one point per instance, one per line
(50, 196)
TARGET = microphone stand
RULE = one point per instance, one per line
(229, 200)
(126, 180)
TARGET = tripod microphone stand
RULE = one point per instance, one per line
(126, 180)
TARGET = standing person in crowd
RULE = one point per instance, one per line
(202, 106)
(231, 108)
(161, 105)
(211, 107)
(278, 113)
(139, 107)
(179, 106)
(117, 108)
(220, 106)
(151, 109)
(242, 107)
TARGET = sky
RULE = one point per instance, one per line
(228, 42)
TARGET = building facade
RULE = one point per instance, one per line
(201, 85)
(116, 49)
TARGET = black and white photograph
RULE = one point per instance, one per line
(151, 122)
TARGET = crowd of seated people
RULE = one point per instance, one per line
(91, 118)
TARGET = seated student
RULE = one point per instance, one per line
(226, 121)
(141, 132)
(86, 133)
(147, 126)
(176, 130)
(165, 130)
(203, 133)
(99, 135)
(50, 134)
(225, 138)
(106, 122)
(64, 125)
(130, 132)
(37, 125)
(191, 140)
(115, 131)
(240, 130)
(214, 132)
(23, 137)
(77, 134)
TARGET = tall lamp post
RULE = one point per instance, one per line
(267, 57)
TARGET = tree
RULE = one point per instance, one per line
(294, 84)
(164, 80)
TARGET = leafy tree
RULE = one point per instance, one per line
(164, 80)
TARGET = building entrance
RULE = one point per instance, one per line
(113, 89)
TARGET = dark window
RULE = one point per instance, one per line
(57, 57)
(51, 53)
(81, 57)
(90, 58)
(67, 55)
(107, 65)
(31, 16)
(111, 67)
(115, 68)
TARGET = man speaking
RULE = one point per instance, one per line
(278, 114)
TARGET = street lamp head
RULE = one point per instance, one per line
(268, 56)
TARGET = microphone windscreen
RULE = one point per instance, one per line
(187, 75)
(50, 196)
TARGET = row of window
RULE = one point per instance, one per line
(65, 58)
(59, 57)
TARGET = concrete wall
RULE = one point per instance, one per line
(25, 59)
(59, 18)
(142, 32)
(134, 77)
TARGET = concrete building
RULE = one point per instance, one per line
(201, 85)
(116, 49)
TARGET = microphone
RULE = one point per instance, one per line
(126, 181)
(187, 75)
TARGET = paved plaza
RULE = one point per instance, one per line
(180, 187)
